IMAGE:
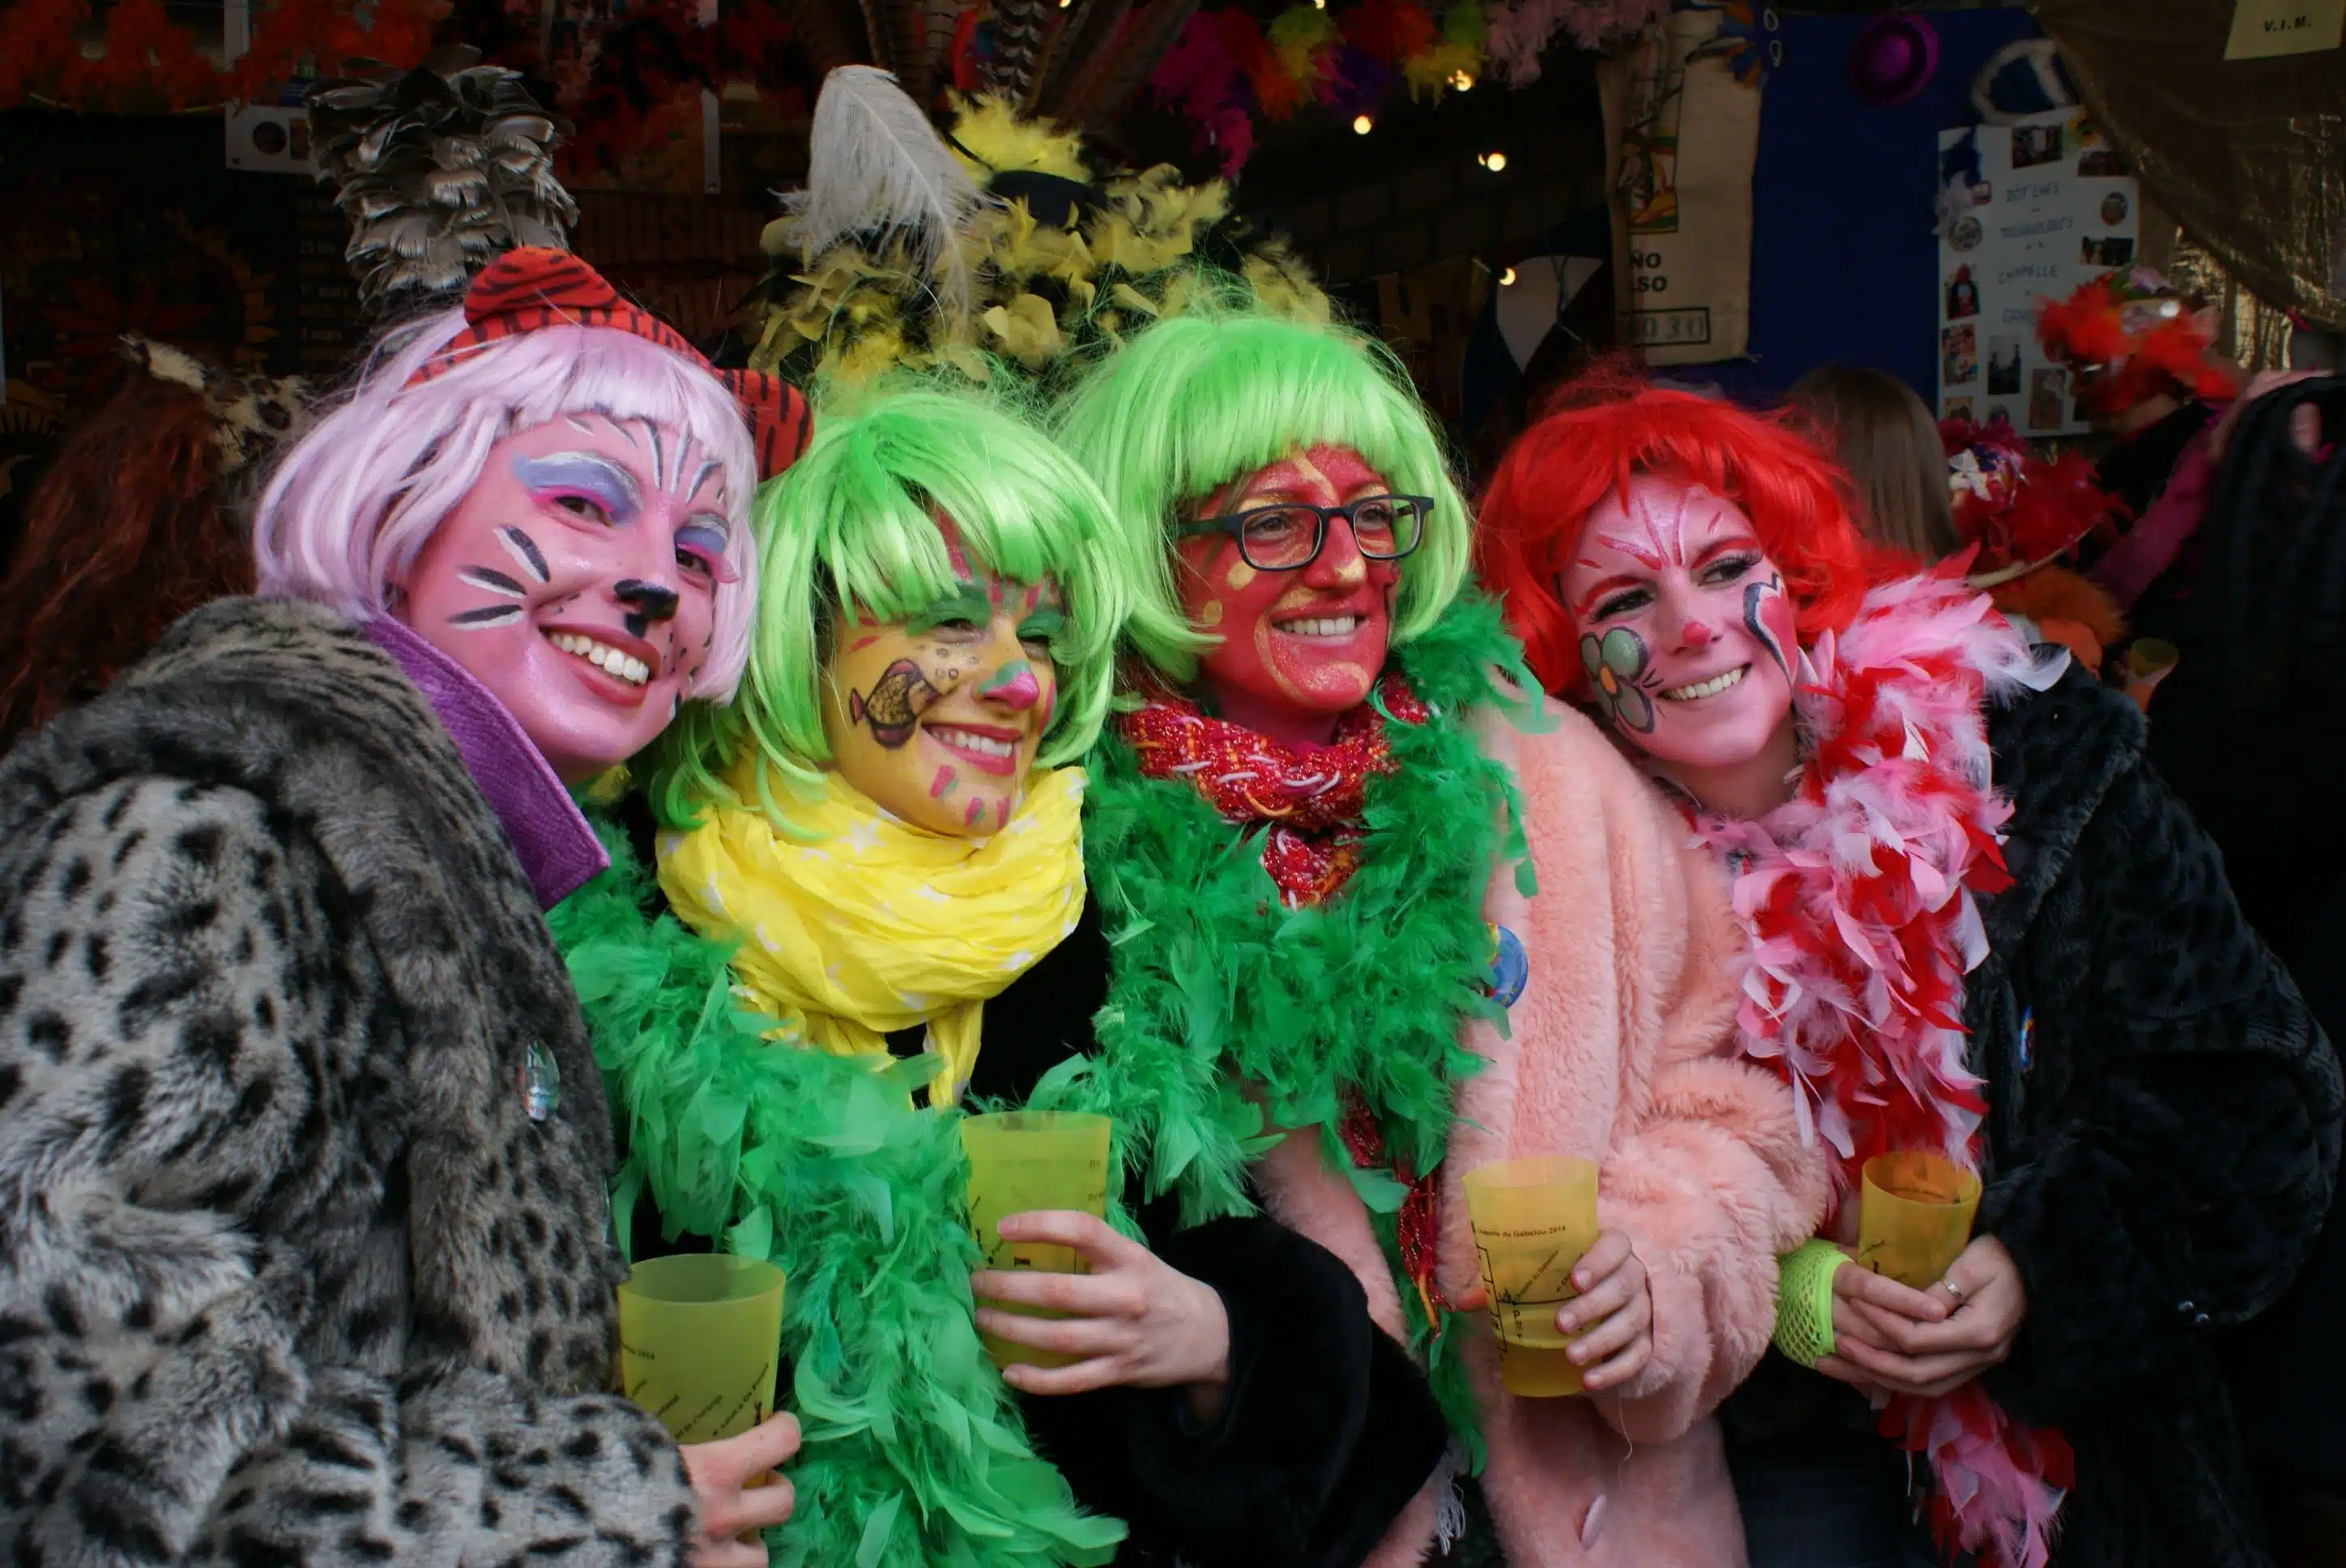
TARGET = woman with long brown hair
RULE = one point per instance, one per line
(133, 525)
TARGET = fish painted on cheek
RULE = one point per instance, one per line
(891, 709)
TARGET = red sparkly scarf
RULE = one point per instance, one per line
(1309, 806)
(1308, 803)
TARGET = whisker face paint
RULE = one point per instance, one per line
(494, 581)
(524, 548)
(580, 587)
(481, 620)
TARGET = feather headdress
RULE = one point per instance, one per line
(441, 170)
(876, 170)
(2131, 337)
(2019, 510)
(1061, 254)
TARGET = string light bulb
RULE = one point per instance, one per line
(1506, 277)
(1493, 161)
(1462, 80)
(1362, 125)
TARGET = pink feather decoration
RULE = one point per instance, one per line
(1857, 901)
(1520, 33)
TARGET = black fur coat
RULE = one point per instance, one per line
(2163, 1132)
(286, 1272)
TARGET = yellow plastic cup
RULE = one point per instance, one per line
(1020, 1162)
(700, 1337)
(1914, 1212)
(1532, 1219)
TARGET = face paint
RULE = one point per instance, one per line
(1686, 631)
(937, 717)
(891, 709)
(1297, 648)
(577, 581)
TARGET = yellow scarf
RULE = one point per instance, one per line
(860, 925)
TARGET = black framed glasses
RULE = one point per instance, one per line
(1288, 538)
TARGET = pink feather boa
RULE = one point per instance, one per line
(1858, 895)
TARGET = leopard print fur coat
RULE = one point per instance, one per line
(286, 1272)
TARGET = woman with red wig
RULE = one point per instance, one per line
(1978, 926)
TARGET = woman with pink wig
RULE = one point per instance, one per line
(305, 1252)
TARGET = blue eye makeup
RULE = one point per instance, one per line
(705, 544)
(587, 476)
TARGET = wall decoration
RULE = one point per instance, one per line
(2046, 207)
(1687, 132)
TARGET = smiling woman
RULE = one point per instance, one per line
(1371, 913)
(296, 943)
(1977, 925)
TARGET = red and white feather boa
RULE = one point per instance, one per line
(1858, 896)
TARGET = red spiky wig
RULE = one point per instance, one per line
(1610, 424)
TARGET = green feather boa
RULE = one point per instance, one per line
(1220, 992)
(914, 1450)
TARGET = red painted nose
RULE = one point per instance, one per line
(1698, 636)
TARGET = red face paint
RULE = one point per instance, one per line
(1298, 648)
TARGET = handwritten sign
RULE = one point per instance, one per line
(2263, 28)
(2051, 207)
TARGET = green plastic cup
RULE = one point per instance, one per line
(1020, 1162)
(700, 1336)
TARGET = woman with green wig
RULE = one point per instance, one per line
(1367, 912)
(878, 852)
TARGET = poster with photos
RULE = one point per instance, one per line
(2051, 207)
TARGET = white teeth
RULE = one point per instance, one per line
(603, 656)
(983, 745)
(1703, 689)
(1324, 626)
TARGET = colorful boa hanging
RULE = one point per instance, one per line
(151, 62)
(1858, 895)
(1227, 67)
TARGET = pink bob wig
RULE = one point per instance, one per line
(1610, 426)
(351, 503)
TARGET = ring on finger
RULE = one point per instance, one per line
(1953, 1289)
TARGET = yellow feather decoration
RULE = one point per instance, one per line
(990, 128)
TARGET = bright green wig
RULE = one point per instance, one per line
(1197, 401)
(853, 522)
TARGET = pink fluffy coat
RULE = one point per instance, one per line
(1621, 1050)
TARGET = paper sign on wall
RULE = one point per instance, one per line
(2051, 207)
(2262, 29)
(1688, 134)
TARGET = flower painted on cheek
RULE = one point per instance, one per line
(1616, 664)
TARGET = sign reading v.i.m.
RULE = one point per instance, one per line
(2261, 28)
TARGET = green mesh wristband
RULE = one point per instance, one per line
(1804, 1278)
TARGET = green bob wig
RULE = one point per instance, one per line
(1197, 400)
(854, 522)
